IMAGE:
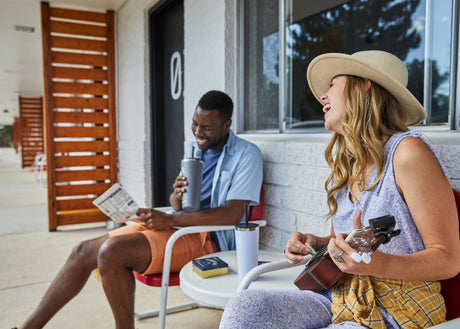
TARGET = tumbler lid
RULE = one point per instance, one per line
(246, 227)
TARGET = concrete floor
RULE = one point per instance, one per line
(30, 257)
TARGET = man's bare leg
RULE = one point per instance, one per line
(118, 257)
(68, 283)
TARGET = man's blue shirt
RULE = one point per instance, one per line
(238, 176)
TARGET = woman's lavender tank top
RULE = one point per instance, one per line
(384, 199)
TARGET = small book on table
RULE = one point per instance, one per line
(209, 266)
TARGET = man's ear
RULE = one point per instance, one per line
(228, 124)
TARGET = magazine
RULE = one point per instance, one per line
(117, 204)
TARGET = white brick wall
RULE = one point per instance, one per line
(204, 53)
(450, 157)
(133, 105)
(294, 176)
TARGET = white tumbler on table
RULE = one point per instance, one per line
(247, 247)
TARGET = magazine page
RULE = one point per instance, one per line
(117, 204)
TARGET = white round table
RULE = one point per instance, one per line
(217, 290)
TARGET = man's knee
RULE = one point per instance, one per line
(127, 251)
(109, 252)
(83, 250)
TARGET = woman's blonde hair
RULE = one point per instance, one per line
(371, 113)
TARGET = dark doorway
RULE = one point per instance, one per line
(167, 77)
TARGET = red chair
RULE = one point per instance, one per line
(158, 280)
(450, 288)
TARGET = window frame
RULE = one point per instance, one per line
(284, 87)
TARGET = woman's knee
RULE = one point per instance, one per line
(252, 302)
(245, 310)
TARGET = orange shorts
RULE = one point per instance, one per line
(186, 248)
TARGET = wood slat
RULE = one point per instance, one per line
(32, 137)
(77, 43)
(31, 105)
(79, 74)
(83, 189)
(31, 101)
(81, 175)
(93, 132)
(96, 146)
(31, 112)
(78, 29)
(33, 134)
(34, 125)
(80, 88)
(81, 117)
(32, 118)
(78, 59)
(74, 204)
(35, 140)
(77, 15)
(82, 160)
(80, 103)
(80, 216)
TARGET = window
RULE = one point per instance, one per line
(274, 91)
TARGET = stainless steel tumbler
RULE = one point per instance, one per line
(192, 169)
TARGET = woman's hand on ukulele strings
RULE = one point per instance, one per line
(297, 247)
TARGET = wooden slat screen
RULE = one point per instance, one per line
(31, 127)
(80, 129)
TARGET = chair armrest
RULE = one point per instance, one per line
(168, 254)
(268, 267)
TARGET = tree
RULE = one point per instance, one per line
(350, 27)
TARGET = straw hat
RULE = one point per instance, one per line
(381, 67)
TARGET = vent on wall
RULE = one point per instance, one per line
(23, 28)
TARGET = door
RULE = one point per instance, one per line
(167, 45)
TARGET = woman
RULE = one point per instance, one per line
(378, 168)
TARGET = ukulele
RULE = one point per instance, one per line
(321, 272)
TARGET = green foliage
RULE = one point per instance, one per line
(6, 136)
(353, 26)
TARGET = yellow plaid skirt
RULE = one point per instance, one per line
(413, 304)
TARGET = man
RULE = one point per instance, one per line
(232, 178)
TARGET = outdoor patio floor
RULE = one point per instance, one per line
(30, 257)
